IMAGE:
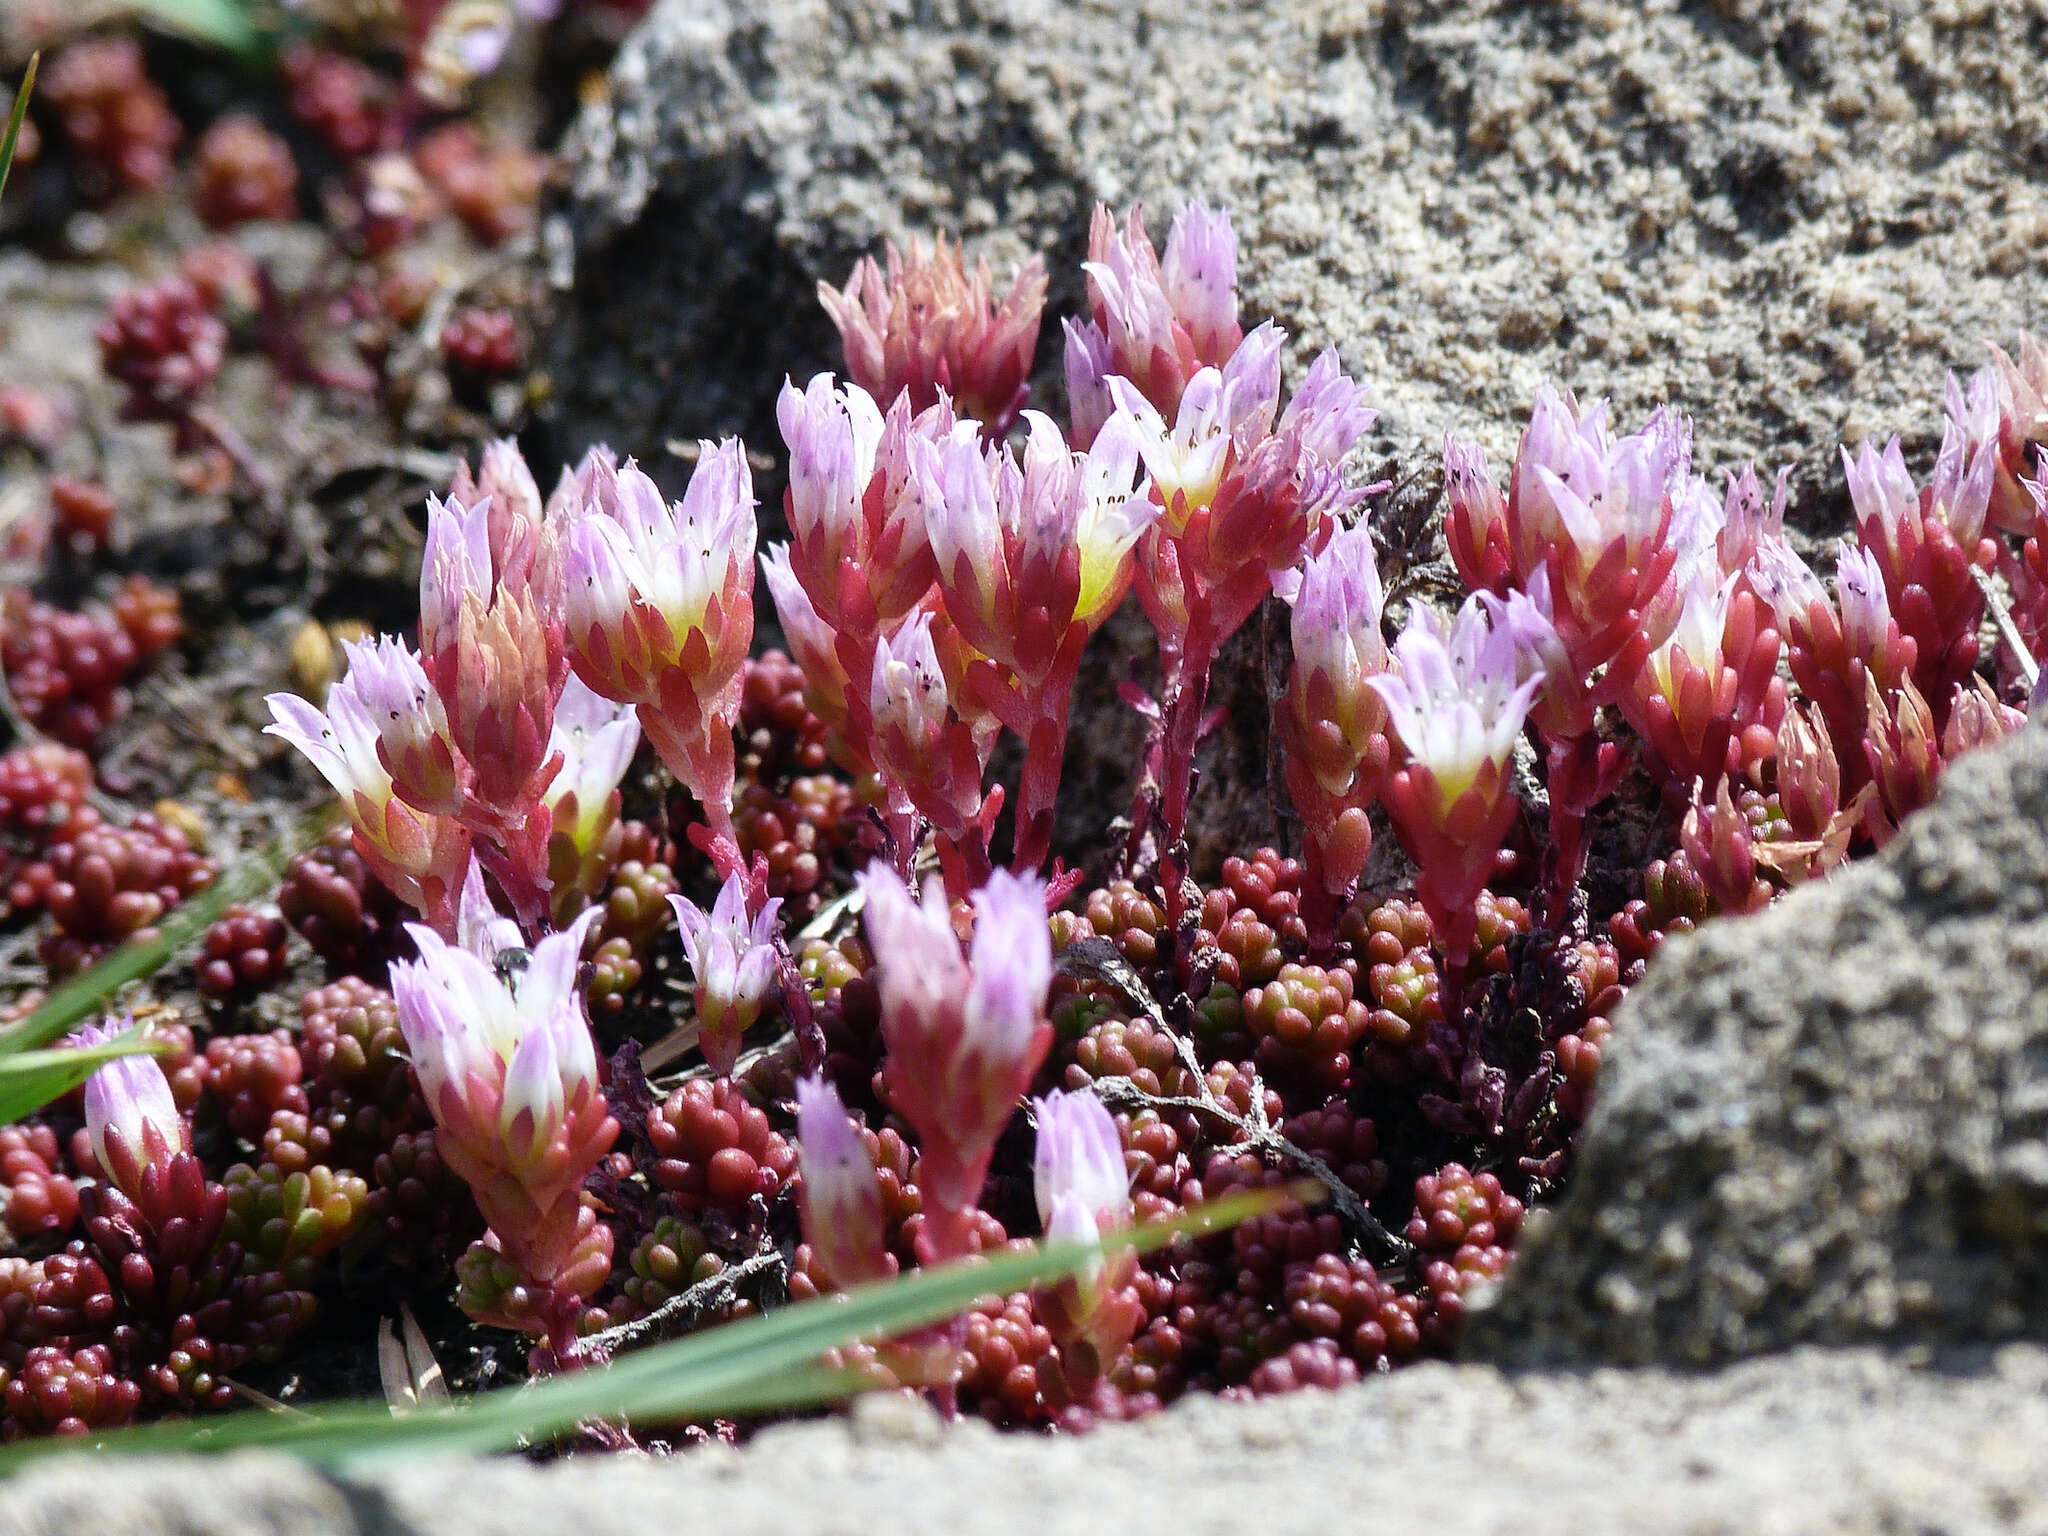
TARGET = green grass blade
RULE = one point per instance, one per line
(758, 1365)
(88, 990)
(14, 120)
(222, 23)
(31, 1079)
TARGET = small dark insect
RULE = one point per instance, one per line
(511, 964)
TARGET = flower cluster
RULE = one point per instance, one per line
(936, 589)
(928, 328)
(480, 742)
(954, 1054)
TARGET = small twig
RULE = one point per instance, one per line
(2001, 614)
(1121, 1092)
(215, 429)
(1101, 960)
(265, 1400)
(825, 922)
(680, 1314)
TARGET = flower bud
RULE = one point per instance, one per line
(964, 1037)
(931, 330)
(491, 641)
(1083, 1194)
(1332, 725)
(130, 1116)
(735, 965)
(842, 1198)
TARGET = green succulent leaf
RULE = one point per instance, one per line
(14, 119)
(223, 23)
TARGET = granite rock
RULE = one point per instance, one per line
(1843, 1442)
(1826, 1123)
(1789, 216)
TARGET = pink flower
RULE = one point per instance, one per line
(932, 330)
(1077, 1172)
(595, 740)
(130, 1116)
(1338, 601)
(928, 750)
(661, 608)
(419, 856)
(842, 1199)
(1924, 543)
(1708, 698)
(1083, 1194)
(2006, 410)
(964, 1036)
(1595, 511)
(1332, 725)
(491, 641)
(862, 488)
(502, 477)
(1746, 523)
(506, 1064)
(1032, 557)
(414, 742)
(735, 963)
(1153, 323)
(1457, 701)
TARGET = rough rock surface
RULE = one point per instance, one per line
(1788, 215)
(1845, 1443)
(1827, 1123)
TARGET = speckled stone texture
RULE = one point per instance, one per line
(1826, 1123)
(1844, 1443)
(1791, 215)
